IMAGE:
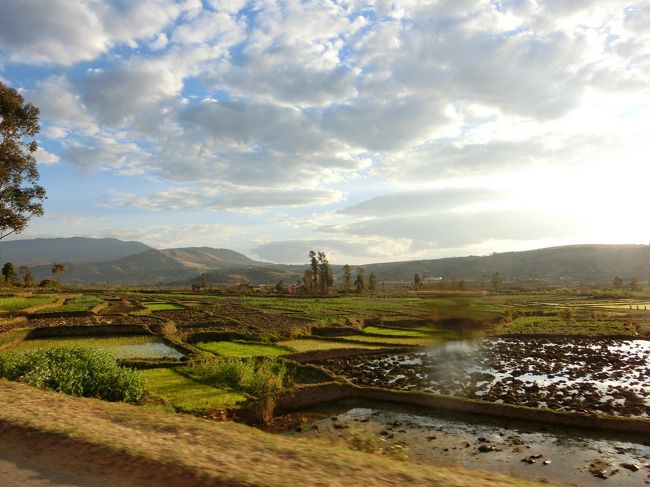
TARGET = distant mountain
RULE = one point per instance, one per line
(184, 265)
(151, 267)
(73, 250)
(208, 258)
(577, 262)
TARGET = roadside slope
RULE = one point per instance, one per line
(207, 452)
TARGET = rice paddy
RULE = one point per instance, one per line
(76, 304)
(163, 306)
(309, 345)
(378, 330)
(17, 303)
(185, 394)
(242, 349)
(120, 347)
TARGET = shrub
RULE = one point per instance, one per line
(256, 376)
(80, 371)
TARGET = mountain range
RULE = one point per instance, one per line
(117, 262)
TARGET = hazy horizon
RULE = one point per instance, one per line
(375, 131)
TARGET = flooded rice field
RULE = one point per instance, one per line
(570, 457)
(120, 347)
(586, 375)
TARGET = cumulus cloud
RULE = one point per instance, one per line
(63, 32)
(288, 104)
(452, 230)
(102, 152)
(417, 202)
(224, 198)
(337, 250)
(173, 236)
(45, 157)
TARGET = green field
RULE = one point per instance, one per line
(185, 394)
(309, 345)
(163, 306)
(338, 310)
(402, 332)
(407, 341)
(120, 347)
(16, 303)
(242, 349)
(556, 326)
(80, 303)
(13, 335)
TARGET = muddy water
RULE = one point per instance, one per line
(519, 449)
(604, 376)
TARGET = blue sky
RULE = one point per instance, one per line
(375, 131)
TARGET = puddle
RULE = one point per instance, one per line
(543, 453)
(120, 347)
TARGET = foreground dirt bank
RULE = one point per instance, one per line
(189, 451)
(32, 459)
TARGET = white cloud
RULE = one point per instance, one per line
(173, 236)
(224, 197)
(45, 157)
(294, 105)
(64, 32)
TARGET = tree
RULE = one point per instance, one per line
(417, 282)
(360, 282)
(20, 197)
(325, 277)
(9, 273)
(280, 288)
(307, 281)
(347, 277)
(372, 283)
(313, 261)
(617, 282)
(26, 272)
(57, 270)
(496, 281)
(461, 285)
(634, 285)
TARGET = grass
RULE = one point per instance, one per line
(120, 347)
(80, 303)
(309, 345)
(188, 395)
(258, 377)
(242, 349)
(378, 330)
(15, 303)
(555, 326)
(13, 335)
(409, 341)
(338, 310)
(163, 306)
(220, 453)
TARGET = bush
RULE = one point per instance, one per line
(256, 376)
(80, 371)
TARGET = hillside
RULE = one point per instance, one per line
(162, 266)
(185, 265)
(74, 250)
(575, 262)
(208, 258)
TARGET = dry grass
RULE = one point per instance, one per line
(230, 453)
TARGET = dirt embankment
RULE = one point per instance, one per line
(138, 446)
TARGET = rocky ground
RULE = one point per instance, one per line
(519, 449)
(602, 376)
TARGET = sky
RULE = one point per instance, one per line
(375, 131)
